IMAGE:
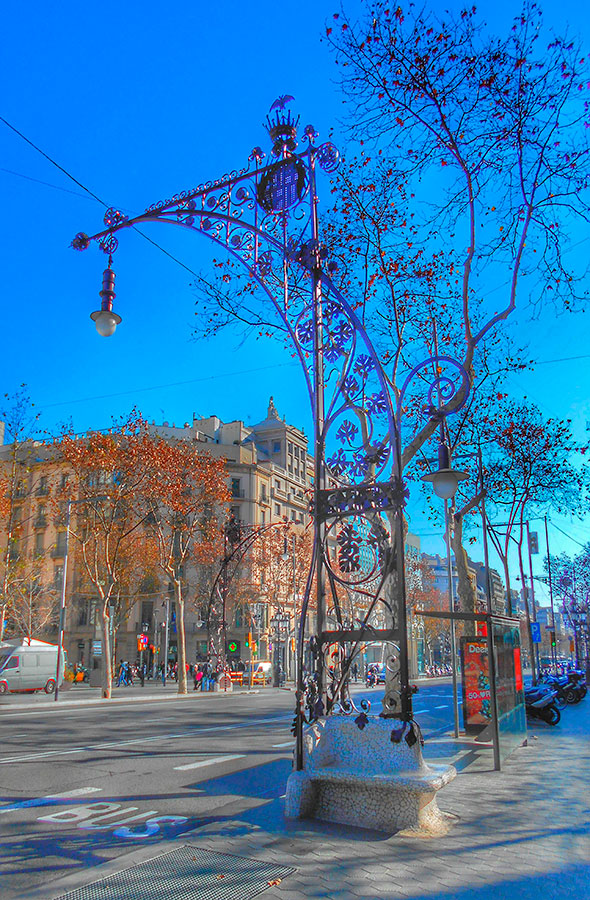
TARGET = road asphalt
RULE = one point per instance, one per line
(89, 790)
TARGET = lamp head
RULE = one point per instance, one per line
(104, 318)
(445, 482)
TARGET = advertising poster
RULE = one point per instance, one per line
(476, 684)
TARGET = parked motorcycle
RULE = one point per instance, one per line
(540, 704)
(571, 688)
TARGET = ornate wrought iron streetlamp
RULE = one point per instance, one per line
(265, 218)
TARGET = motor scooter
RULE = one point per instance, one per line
(540, 704)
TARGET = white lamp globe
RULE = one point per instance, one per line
(106, 322)
(445, 482)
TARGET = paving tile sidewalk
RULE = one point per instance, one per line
(523, 832)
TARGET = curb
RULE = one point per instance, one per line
(97, 701)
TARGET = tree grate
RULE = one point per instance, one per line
(187, 873)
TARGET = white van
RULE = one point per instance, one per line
(28, 666)
(261, 671)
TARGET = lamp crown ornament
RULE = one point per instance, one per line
(282, 127)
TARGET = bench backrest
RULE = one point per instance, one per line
(338, 741)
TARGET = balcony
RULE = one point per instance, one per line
(40, 522)
(42, 491)
(238, 494)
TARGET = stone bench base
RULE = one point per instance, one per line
(361, 778)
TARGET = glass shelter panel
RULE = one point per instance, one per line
(509, 686)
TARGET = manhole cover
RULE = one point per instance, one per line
(188, 873)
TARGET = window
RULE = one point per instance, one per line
(235, 487)
(276, 447)
(43, 489)
(277, 484)
(17, 515)
(82, 612)
(58, 574)
(147, 612)
(12, 663)
(277, 509)
(64, 482)
(296, 452)
(263, 517)
(39, 540)
(13, 549)
(60, 546)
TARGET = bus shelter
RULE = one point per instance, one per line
(488, 671)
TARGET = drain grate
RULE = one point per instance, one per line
(187, 873)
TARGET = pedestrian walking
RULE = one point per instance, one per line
(198, 678)
(121, 679)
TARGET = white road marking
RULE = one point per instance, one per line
(49, 799)
(194, 732)
(209, 762)
(287, 744)
(418, 711)
(444, 706)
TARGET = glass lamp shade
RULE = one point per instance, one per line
(445, 482)
(106, 321)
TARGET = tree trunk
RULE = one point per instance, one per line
(182, 686)
(507, 577)
(107, 678)
(466, 592)
(529, 630)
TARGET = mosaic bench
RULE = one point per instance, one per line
(368, 772)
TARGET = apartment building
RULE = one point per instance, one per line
(269, 474)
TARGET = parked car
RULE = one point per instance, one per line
(30, 666)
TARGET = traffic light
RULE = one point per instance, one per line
(553, 641)
(533, 542)
(249, 639)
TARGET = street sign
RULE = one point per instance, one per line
(97, 648)
(536, 632)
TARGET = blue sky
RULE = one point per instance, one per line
(139, 101)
